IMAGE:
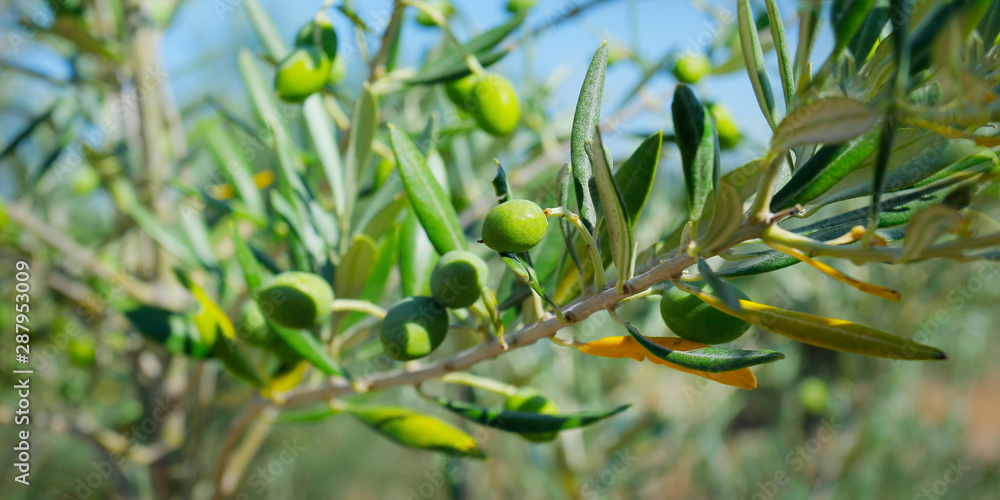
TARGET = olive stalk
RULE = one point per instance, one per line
(588, 240)
(362, 306)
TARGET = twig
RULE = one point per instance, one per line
(378, 62)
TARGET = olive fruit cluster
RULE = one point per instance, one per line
(514, 226)
(692, 319)
(490, 99)
(692, 67)
(310, 65)
(296, 299)
(529, 400)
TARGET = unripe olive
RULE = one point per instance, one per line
(338, 70)
(458, 278)
(296, 299)
(529, 400)
(690, 318)
(726, 126)
(318, 34)
(86, 180)
(494, 104)
(692, 67)
(252, 327)
(442, 6)
(413, 328)
(82, 351)
(814, 395)
(301, 74)
(460, 91)
(514, 226)
(518, 6)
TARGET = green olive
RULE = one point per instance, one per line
(518, 6)
(814, 395)
(726, 126)
(458, 278)
(301, 74)
(82, 351)
(690, 318)
(325, 37)
(460, 91)
(494, 105)
(514, 226)
(296, 299)
(692, 67)
(444, 7)
(85, 181)
(529, 400)
(252, 327)
(413, 328)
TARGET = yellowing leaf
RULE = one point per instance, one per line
(627, 347)
(210, 318)
(285, 382)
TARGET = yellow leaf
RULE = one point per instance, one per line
(285, 382)
(626, 347)
(210, 317)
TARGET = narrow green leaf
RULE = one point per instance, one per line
(245, 258)
(706, 359)
(727, 213)
(869, 34)
(234, 358)
(378, 277)
(306, 415)
(352, 273)
(886, 142)
(275, 46)
(831, 120)
(323, 136)
(847, 17)
(835, 334)
(787, 71)
(223, 148)
(175, 332)
(416, 257)
(446, 70)
(429, 201)
(725, 292)
(565, 228)
(415, 430)
(699, 146)
(364, 123)
(500, 185)
(753, 57)
(587, 116)
(527, 276)
(824, 169)
(615, 214)
(525, 422)
(926, 227)
(164, 236)
(635, 176)
(305, 343)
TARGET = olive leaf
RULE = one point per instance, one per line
(527, 276)
(244, 256)
(266, 30)
(364, 123)
(233, 356)
(306, 345)
(355, 265)
(727, 214)
(323, 136)
(175, 332)
(452, 66)
(835, 334)
(824, 169)
(724, 291)
(706, 359)
(927, 226)
(565, 228)
(847, 17)
(829, 120)
(753, 58)
(416, 430)
(587, 116)
(627, 347)
(617, 217)
(378, 276)
(786, 70)
(525, 422)
(416, 257)
(222, 146)
(429, 201)
(164, 236)
(500, 185)
(869, 33)
(699, 146)
(635, 177)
